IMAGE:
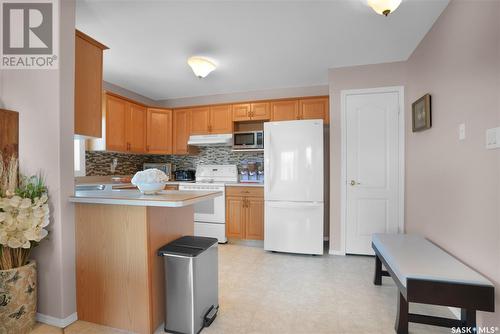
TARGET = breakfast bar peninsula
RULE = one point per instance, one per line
(120, 279)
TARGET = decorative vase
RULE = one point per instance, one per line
(18, 297)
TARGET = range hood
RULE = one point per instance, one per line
(211, 140)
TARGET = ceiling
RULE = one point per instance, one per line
(258, 45)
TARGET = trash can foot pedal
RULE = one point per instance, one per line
(210, 316)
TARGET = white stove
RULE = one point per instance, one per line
(210, 216)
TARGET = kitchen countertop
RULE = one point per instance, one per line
(165, 198)
(94, 180)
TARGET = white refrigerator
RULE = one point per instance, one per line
(293, 186)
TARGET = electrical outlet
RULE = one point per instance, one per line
(113, 165)
(493, 138)
(461, 131)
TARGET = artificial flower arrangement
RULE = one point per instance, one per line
(24, 214)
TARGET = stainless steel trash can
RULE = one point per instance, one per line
(192, 284)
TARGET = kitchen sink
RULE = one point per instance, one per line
(90, 187)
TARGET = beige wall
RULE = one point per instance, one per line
(357, 77)
(452, 186)
(246, 96)
(44, 100)
(108, 86)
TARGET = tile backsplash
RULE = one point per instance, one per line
(99, 163)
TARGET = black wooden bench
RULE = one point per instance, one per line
(426, 274)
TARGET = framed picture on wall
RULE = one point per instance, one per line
(421, 113)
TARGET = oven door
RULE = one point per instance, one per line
(211, 211)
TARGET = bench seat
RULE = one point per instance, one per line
(413, 256)
(424, 273)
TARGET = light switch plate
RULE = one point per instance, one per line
(493, 138)
(461, 131)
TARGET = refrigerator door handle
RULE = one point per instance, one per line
(286, 205)
(267, 164)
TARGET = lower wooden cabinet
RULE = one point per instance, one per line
(235, 217)
(245, 213)
(254, 222)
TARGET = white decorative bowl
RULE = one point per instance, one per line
(151, 188)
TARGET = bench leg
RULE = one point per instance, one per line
(468, 318)
(402, 317)
(377, 280)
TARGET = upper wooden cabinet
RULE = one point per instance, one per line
(211, 120)
(286, 110)
(260, 111)
(136, 128)
(220, 119)
(251, 111)
(295, 109)
(241, 112)
(314, 108)
(159, 131)
(125, 124)
(200, 120)
(132, 127)
(181, 122)
(88, 86)
(116, 112)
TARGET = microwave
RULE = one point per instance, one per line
(248, 140)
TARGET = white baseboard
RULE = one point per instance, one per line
(335, 252)
(160, 329)
(456, 312)
(56, 322)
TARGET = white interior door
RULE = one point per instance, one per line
(372, 167)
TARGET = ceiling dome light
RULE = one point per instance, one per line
(201, 66)
(384, 7)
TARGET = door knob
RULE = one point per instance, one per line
(354, 183)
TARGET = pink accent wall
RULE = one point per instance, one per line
(356, 77)
(452, 187)
(45, 102)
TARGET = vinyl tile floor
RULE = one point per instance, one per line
(264, 292)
